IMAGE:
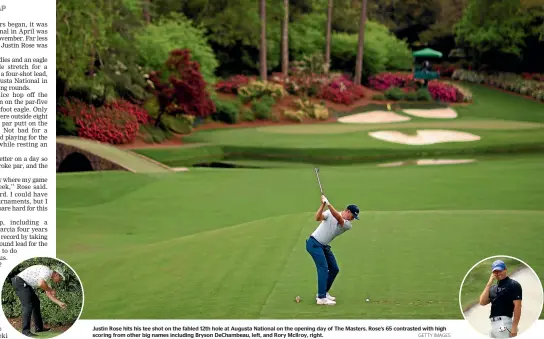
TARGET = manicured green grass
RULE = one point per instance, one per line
(505, 123)
(478, 277)
(214, 243)
(490, 103)
(487, 103)
(465, 124)
(360, 140)
(183, 156)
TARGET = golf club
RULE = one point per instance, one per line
(319, 181)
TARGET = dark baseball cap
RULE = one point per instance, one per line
(498, 265)
(355, 210)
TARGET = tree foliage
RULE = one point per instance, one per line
(94, 50)
(449, 13)
(155, 42)
(501, 25)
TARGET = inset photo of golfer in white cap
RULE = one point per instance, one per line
(501, 297)
(45, 292)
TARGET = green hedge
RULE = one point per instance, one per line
(69, 291)
(227, 111)
(382, 51)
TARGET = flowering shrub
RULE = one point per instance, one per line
(342, 91)
(311, 110)
(533, 76)
(398, 86)
(463, 93)
(185, 90)
(442, 92)
(445, 70)
(507, 81)
(139, 112)
(297, 116)
(299, 83)
(258, 89)
(232, 84)
(386, 80)
(103, 124)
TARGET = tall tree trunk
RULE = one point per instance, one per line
(263, 41)
(285, 41)
(328, 38)
(360, 46)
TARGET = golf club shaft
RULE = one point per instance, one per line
(319, 181)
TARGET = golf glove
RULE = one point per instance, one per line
(325, 200)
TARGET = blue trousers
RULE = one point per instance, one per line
(325, 262)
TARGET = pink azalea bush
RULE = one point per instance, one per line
(443, 92)
(386, 80)
(533, 76)
(438, 90)
(338, 89)
(232, 84)
(341, 90)
(297, 83)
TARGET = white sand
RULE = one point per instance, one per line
(439, 113)
(180, 169)
(531, 306)
(444, 161)
(425, 162)
(424, 137)
(393, 164)
(373, 118)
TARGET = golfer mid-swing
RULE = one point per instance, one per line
(333, 223)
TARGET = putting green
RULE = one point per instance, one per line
(337, 128)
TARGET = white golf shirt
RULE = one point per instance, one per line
(33, 274)
(329, 229)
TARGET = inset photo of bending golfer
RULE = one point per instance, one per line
(501, 297)
(42, 297)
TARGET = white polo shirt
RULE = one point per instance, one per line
(329, 229)
(33, 274)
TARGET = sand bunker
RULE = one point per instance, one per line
(439, 113)
(424, 137)
(394, 164)
(373, 118)
(180, 169)
(424, 162)
(444, 161)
